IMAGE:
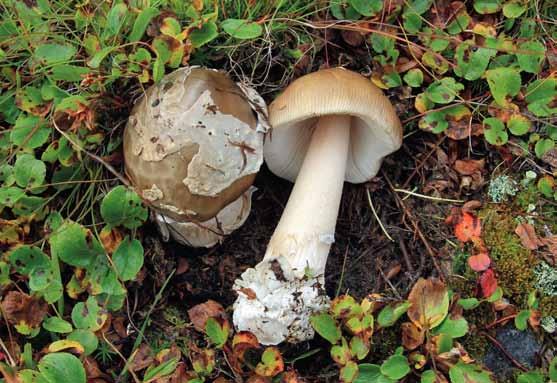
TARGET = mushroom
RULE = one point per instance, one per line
(192, 148)
(327, 127)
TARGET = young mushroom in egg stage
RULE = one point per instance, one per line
(192, 148)
(327, 127)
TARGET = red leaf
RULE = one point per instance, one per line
(488, 281)
(479, 262)
(469, 228)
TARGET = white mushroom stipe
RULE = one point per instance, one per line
(278, 297)
(329, 126)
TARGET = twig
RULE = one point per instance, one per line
(377, 217)
(126, 366)
(422, 163)
(417, 229)
(515, 362)
(342, 272)
(500, 320)
(428, 197)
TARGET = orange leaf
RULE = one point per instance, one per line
(429, 303)
(469, 228)
(412, 336)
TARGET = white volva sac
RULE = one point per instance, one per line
(328, 127)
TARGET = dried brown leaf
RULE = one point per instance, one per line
(199, 314)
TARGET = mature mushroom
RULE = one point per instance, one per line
(328, 127)
(192, 148)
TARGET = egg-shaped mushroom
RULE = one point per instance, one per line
(192, 147)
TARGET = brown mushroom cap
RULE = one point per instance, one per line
(192, 145)
(375, 128)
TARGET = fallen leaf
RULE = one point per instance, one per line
(142, 359)
(291, 377)
(471, 206)
(199, 314)
(488, 282)
(469, 167)
(469, 228)
(22, 309)
(429, 303)
(242, 342)
(271, 363)
(528, 236)
(480, 261)
(412, 336)
(460, 130)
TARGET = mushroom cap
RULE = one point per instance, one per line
(194, 143)
(375, 128)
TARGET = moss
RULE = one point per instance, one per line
(476, 345)
(513, 263)
(385, 342)
(548, 306)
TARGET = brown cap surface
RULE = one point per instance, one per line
(375, 130)
(192, 144)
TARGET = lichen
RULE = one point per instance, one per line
(549, 324)
(501, 188)
(546, 279)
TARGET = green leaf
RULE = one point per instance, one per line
(443, 91)
(484, 7)
(396, 367)
(414, 77)
(29, 132)
(327, 327)
(58, 325)
(162, 370)
(217, 333)
(359, 347)
(61, 367)
(141, 22)
(531, 377)
(348, 372)
(87, 315)
(496, 133)
(54, 53)
(455, 328)
(391, 313)
(87, 339)
(29, 172)
(116, 18)
(242, 29)
(97, 59)
(428, 376)
(469, 303)
(497, 294)
(71, 73)
(10, 195)
(553, 369)
(341, 353)
(469, 373)
(519, 125)
(434, 122)
(521, 320)
(530, 56)
(25, 259)
(367, 7)
(503, 82)
(128, 259)
(75, 245)
(122, 206)
(513, 9)
(207, 33)
(158, 69)
(472, 61)
(543, 146)
(371, 373)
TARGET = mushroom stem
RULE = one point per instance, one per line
(277, 297)
(306, 228)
